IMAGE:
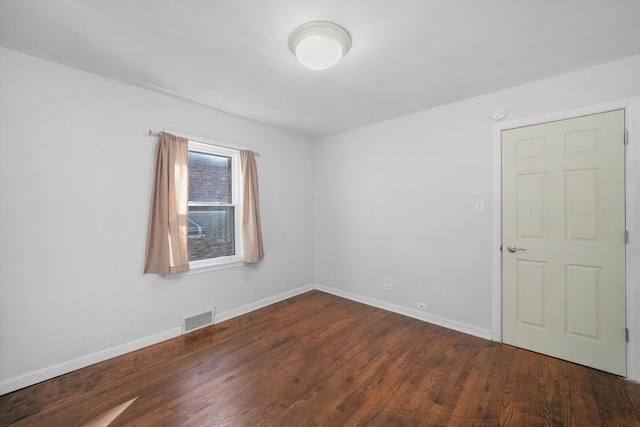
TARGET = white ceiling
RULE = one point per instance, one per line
(406, 56)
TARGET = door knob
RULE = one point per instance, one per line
(513, 249)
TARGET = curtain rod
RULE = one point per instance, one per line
(152, 133)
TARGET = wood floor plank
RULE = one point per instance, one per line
(320, 360)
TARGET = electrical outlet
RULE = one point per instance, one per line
(388, 287)
(421, 305)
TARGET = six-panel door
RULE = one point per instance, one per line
(563, 216)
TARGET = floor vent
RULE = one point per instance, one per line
(197, 320)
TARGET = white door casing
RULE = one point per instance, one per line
(632, 176)
(563, 236)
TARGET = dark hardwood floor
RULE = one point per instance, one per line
(320, 360)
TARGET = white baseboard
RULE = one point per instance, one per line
(262, 303)
(25, 380)
(416, 314)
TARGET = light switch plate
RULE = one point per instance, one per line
(479, 205)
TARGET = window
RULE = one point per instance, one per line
(214, 222)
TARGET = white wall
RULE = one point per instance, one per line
(394, 202)
(391, 202)
(76, 175)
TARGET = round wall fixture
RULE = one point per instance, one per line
(319, 45)
(498, 114)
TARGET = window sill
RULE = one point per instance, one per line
(205, 266)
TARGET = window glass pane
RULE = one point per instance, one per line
(209, 178)
(211, 232)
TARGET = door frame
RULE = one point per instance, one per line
(632, 212)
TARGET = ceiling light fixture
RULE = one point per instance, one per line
(319, 45)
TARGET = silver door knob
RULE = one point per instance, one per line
(513, 249)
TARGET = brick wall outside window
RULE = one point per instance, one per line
(211, 229)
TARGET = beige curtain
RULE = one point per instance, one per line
(251, 230)
(167, 235)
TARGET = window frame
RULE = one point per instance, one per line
(236, 201)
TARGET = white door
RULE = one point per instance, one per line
(563, 240)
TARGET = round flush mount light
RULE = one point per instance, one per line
(319, 45)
